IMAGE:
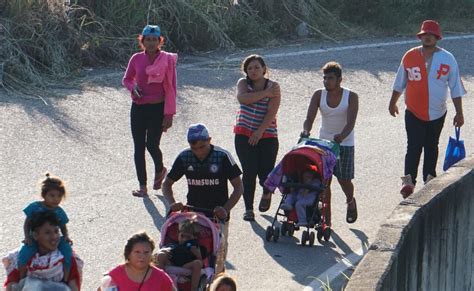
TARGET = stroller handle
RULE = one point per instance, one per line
(209, 213)
(206, 211)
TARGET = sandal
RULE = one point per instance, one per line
(142, 192)
(249, 215)
(159, 178)
(265, 203)
(351, 215)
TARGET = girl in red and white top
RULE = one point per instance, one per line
(151, 79)
(256, 138)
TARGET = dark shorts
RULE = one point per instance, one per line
(344, 169)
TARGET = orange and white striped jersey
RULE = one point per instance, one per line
(426, 91)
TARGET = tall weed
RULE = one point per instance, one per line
(43, 41)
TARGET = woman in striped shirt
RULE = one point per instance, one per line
(256, 138)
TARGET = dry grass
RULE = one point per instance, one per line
(35, 51)
(57, 40)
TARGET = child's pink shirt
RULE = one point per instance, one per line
(159, 85)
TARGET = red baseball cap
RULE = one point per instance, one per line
(430, 26)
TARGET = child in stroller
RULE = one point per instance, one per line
(188, 248)
(187, 253)
(319, 156)
(305, 196)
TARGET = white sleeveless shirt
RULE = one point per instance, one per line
(334, 120)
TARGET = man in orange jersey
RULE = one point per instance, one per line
(425, 74)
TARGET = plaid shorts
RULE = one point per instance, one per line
(344, 169)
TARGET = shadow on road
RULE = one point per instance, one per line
(38, 109)
(158, 218)
(364, 240)
(302, 261)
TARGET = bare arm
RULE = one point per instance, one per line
(235, 195)
(458, 118)
(167, 189)
(392, 107)
(64, 230)
(26, 231)
(246, 97)
(273, 106)
(351, 117)
(312, 112)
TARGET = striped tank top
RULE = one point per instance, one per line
(250, 117)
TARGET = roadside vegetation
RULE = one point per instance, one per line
(43, 42)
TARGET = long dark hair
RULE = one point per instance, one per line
(251, 58)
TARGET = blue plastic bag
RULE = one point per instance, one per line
(455, 150)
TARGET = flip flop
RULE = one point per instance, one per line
(159, 179)
(249, 215)
(351, 215)
(140, 193)
(265, 203)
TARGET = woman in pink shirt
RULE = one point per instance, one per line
(137, 273)
(151, 79)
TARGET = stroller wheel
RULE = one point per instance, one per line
(276, 234)
(327, 233)
(319, 234)
(284, 228)
(269, 233)
(304, 237)
(291, 229)
(311, 239)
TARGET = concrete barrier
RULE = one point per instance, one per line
(427, 243)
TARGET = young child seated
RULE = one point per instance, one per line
(186, 253)
(301, 198)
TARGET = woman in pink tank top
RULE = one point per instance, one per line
(137, 273)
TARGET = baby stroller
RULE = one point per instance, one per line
(309, 152)
(209, 237)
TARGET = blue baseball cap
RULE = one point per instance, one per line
(151, 30)
(197, 132)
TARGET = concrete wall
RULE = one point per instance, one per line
(427, 243)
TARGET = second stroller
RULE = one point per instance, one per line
(302, 177)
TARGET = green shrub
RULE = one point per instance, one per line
(393, 16)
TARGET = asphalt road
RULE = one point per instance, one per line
(84, 137)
